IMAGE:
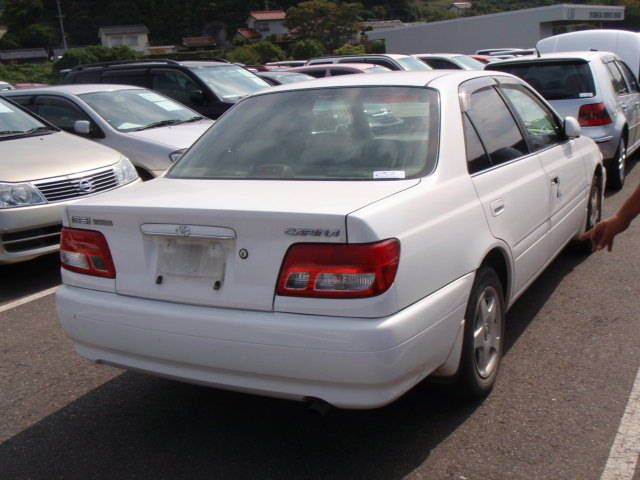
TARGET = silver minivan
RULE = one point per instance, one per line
(598, 89)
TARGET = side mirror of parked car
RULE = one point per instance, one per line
(572, 127)
(82, 127)
(196, 97)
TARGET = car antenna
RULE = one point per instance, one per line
(537, 52)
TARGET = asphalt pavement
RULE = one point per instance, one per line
(571, 359)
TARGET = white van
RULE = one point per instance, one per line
(624, 43)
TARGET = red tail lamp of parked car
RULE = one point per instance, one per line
(86, 251)
(327, 270)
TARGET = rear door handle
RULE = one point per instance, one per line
(497, 207)
(556, 181)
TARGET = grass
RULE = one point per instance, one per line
(28, 72)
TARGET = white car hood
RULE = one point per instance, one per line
(174, 136)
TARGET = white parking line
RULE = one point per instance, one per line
(27, 299)
(625, 450)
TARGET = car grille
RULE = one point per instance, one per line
(31, 239)
(77, 185)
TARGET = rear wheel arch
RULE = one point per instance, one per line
(498, 260)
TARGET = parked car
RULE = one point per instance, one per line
(6, 86)
(279, 77)
(150, 129)
(208, 87)
(41, 170)
(623, 43)
(337, 257)
(332, 70)
(393, 61)
(597, 88)
(450, 61)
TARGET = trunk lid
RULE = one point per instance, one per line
(219, 242)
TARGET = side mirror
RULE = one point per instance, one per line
(82, 127)
(196, 97)
(572, 127)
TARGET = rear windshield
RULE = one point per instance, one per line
(351, 133)
(554, 80)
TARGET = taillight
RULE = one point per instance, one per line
(593, 115)
(339, 270)
(86, 251)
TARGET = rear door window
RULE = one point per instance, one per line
(629, 77)
(496, 126)
(477, 158)
(127, 77)
(617, 81)
(554, 80)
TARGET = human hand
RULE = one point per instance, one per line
(603, 233)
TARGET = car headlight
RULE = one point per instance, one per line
(125, 171)
(14, 195)
(175, 156)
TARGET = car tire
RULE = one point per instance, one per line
(617, 169)
(594, 214)
(483, 341)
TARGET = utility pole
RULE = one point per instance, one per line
(64, 38)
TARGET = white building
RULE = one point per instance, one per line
(135, 37)
(518, 29)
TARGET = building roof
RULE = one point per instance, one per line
(263, 15)
(23, 53)
(122, 29)
(249, 33)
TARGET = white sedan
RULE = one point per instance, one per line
(339, 240)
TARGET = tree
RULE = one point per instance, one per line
(304, 49)
(93, 54)
(322, 20)
(256, 53)
(349, 49)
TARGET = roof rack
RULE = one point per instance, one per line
(167, 61)
(113, 63)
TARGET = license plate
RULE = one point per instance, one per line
(192, 257)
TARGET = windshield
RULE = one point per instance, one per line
(412, 63)
(469, 62)
(129, 110)
(14, 121)
(554, 80)
(350, 133)
(230, 82)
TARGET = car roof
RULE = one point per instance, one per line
(357, 65)
(362, 55)
(587, 56)
(397, 78)
(443, 55)
(74, 89)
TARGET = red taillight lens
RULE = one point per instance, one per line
(593, 115)
(86, 251)
(339, 270)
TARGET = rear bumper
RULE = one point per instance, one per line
(348, 362)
